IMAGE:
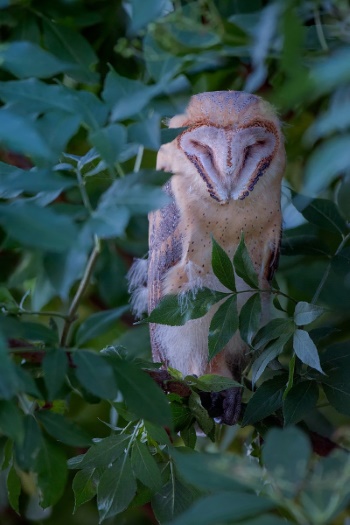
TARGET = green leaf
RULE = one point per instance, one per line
(306, 313)
(243, 265)
(58, 128)
(62, 429)
(95, 374)
(146, 132)
(13, 328)
(22, 135)
(72, 48)
(305, 349)
(250, 318)
(51, 472)
(287, 470)
(266, 400)
(321, 212)
(37, 227)
(11, 421)
(203, 419)
(104, 452)
(174, 310)
(145, 467)
(336, 363)
(272, 330)
(212, 382)
(208, 472)
(14, 488)
(142, 396)
(26, 59)
(300, 400)
(174, 498)
(18, 180)
(304, 245)
(8, 378)
(55, 367)
(169, 134)
(109, 142)
(143, 14)
(157, 433)
(189, 436)
(116, 489)
(222, 266)
(98, 323)
(26, 453)
(223, 326)
(222, 507)
(126, 97)
(83, 487)
(272, 350)
(138, 192)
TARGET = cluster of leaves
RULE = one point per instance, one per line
(78, 142)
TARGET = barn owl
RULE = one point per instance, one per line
(227, 166)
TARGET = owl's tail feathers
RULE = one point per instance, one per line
(137, 279)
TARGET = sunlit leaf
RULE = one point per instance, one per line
(305, 349)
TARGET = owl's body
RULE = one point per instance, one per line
(227, 166)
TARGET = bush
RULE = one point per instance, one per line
(84, 87)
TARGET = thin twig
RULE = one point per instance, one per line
(319, 30)
(82, 287)
(138, 160)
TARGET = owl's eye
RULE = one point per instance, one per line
(203, 149)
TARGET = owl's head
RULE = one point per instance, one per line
(233, 140)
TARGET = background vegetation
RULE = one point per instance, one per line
(85, 86)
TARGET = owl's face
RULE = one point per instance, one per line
(232, 139)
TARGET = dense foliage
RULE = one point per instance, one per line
(85, 87)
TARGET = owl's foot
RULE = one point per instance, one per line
(224, 406)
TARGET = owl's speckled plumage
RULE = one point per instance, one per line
(227, 168)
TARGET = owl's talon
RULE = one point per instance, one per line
(224, 406)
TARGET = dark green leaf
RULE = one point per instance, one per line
(62, 429)
(13, 483)
(104, 452)
(321, 212)
(98, 323)
(109, 142)
(169, 134)
(287, 470)
(83, 487)
(222, 507)
(329, 160)
(300, 399)
(55, 366)
(38, 227)
(72, 48)
(273, 330)
(116, 489)
(250, 318)
(26, 453)
(304, 245)
(266, 400)
(272, 350)
(145, 467)
(189, 436)
(306, 313)
(146, 132)
(222, 266)
(8, 378)
(243, 265)
(20, 134)
(336, 363)
(25, 59)
(142, 396)
(157, 433)
(95, 374)
(341, 262)
(143, 14)
(51, 470)
(208, 472)
(11, 421)
(305, 349)
(176, 310)
(126, 96)
(223, 326)
(13, 328)
(32, 181)
(174, 498)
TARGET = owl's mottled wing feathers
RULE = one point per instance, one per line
(165, 250)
